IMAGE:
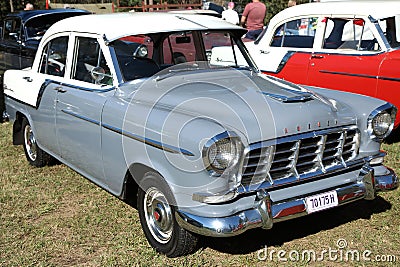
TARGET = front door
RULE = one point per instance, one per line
(349, 59)
(79, 108)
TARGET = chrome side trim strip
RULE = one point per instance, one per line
(48, 81)
(81, 117)
(150, 142)
(393, 79)
(147, 141)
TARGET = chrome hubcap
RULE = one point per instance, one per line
(30, 143)
(158, 215)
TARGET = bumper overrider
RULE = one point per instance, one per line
(265, 212)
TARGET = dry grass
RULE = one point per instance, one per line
(54, 217)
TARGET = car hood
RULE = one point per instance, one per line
(258, 106)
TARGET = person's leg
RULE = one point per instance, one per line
(252, 35)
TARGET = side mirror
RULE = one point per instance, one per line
(141, 51)
(98, 74)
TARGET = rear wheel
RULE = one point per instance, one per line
(156, 213)
(35, 156)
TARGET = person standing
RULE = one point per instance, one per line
(28, 6)
(231, 15)
(291, 3)
(253, 18)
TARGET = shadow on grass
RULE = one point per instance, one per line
(394, 136)
(287, 231)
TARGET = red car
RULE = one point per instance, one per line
(350, 46)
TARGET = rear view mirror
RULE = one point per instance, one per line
(182, 39)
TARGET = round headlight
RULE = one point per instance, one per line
(381, 123)
(220, 154)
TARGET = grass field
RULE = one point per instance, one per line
(54, 217)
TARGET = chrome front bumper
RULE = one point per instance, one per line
(265, 212)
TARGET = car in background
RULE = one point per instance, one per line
(22, 32)
(200, 145)
(344, 45)
(20, 36)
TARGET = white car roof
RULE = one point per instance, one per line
(117, 25)
(377, 9)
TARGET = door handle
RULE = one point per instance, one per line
(317, 56)
(60, 89)
(28, 79)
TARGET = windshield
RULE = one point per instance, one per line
(142, 56)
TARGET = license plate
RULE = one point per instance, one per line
(322, 201)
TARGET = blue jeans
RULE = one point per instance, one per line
(253, 34)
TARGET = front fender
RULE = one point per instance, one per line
(176, 154)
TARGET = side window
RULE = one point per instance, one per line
(179, 48)
(12, 29)
(212, 41)
(351, 34)
(89, 62)
(54, 57)
(298, 33)
(221, 50)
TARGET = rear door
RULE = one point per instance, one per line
(51, 70)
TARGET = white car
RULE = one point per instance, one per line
(351, 46)
(141, 105)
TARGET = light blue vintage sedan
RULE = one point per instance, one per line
(142, 106)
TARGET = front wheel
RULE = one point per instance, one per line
(35, 156)
(157, 218)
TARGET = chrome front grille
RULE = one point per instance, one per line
(300, 155)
